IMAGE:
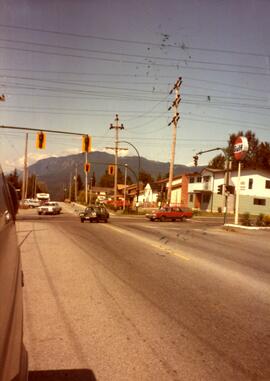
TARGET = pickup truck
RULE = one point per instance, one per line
(169, 213)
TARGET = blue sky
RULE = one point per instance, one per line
(72, 65)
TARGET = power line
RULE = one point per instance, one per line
(121, 61)
(84, 84)
(149, 58)
(137, 42)
(154, 77)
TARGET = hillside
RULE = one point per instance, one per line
(56, 171)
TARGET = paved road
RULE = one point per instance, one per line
(135, 300)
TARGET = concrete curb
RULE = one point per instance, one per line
(246, 227)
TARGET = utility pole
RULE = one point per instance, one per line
(126, 167)
(91, 184)
(86, 181)
(116, 127)
(70, 185)
(24, 182)
(76, 184)
(174, 121)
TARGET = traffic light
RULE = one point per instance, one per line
(229, 189)
(87, 167)
(195, 158)
(111, 170)
(86, 143)
(41, 140)
(220, 189)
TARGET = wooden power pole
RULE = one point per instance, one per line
(174, 122)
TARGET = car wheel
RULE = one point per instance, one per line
(39, 213)
(106, 220)
(82, 220)
(97, 220)
(173, 219)
(162, 219)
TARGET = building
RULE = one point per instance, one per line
(206, 191)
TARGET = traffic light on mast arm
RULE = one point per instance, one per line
(195, 158)
(220, 189)
(87, 167)
(111, 170)
(41, 140)
(86, 143)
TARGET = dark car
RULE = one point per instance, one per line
(13, 356)
(95, 213)
(170, 213)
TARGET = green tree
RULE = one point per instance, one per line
(80, 184)
(106, 180)
(218, 162)
(13, 178)
(145, 177)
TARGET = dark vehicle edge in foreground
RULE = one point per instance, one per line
(13, 356)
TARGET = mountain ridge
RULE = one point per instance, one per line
(57, 171)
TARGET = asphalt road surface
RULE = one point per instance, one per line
(140, 300)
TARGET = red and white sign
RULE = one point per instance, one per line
(240, 147)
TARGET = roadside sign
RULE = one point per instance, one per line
(240, 147)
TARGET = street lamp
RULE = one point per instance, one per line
(139, 165)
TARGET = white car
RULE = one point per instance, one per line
(31, 203)
(49, 207)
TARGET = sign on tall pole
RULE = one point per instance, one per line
(240, 150)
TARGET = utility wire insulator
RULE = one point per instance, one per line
(177, 85)
(175, 119)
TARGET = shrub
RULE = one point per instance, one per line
(245, 219)
(260, 220)
(266, 220)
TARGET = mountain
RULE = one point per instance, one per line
(57, 171)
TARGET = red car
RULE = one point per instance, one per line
(170, 213)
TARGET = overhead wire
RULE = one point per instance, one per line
(125, 61)
(181, 46)
(119, 54)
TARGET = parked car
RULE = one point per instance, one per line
(31, 203)
(13, 356)
(170, 213)
(95, 213)
(50, 207)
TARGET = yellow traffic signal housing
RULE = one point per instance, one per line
(86, 143)
(111, 170)
(87, 167)
(41, 140)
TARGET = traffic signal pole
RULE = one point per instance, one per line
(24, 181)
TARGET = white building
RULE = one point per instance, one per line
(254, 195)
